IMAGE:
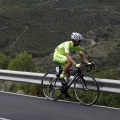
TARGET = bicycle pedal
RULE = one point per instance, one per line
(86, 89)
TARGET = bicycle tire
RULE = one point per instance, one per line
(86, 96)
(51, 87)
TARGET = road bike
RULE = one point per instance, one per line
(85, 87)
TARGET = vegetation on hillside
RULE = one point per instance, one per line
(37, 26)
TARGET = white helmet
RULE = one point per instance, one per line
(76, 36)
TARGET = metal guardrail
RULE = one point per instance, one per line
(105, 85)
(19, 76)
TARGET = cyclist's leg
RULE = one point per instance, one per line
(59, 58)
(65, 64)
(62, 60)
(66, 69)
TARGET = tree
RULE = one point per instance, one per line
(4, 61)
(22, 62)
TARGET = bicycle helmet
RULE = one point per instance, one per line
(76, 36)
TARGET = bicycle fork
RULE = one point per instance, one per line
(83, 82)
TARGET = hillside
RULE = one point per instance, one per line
(37, 26)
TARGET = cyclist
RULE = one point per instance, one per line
(62, 55)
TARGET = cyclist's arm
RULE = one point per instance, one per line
(70, 58)
(84, 58)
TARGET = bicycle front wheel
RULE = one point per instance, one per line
(86, 90)
(51, 87)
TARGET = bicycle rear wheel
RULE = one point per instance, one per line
(51, 87)
(86, 94)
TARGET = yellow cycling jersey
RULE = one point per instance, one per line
(67, 47)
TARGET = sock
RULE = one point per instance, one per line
(62, 74)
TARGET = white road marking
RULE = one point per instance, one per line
(4, 119)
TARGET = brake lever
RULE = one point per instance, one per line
(88, 67)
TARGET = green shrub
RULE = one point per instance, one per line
(4, 61)
(22, 62)
(109, 99)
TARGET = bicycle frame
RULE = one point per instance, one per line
(78, 74)
(72, 81)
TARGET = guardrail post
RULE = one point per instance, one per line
(52, 93)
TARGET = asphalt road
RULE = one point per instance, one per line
(18, 107)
